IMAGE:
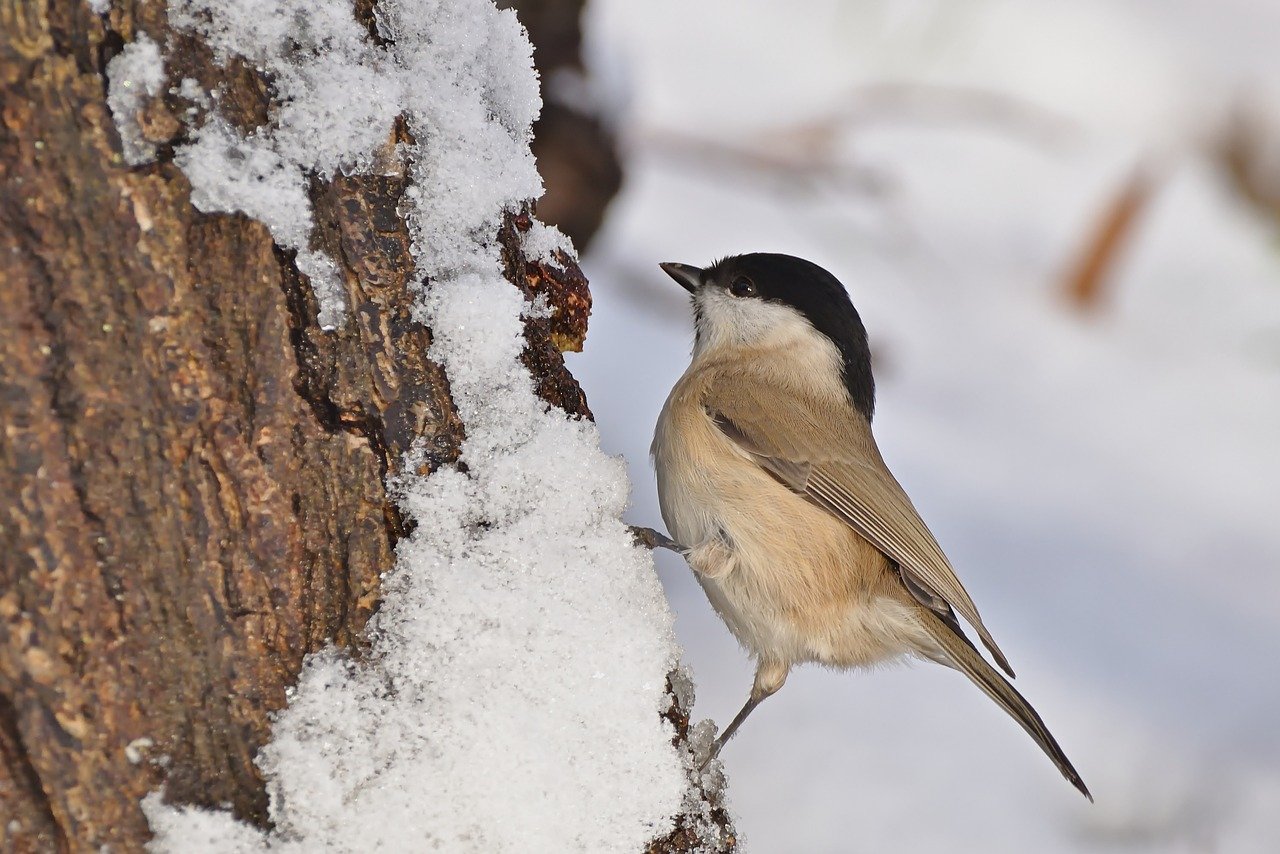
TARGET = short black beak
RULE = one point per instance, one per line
(687, 276)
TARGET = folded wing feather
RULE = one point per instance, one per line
(838, 467)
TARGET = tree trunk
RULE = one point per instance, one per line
(192, 473)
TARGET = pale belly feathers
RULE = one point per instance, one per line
(792, 582)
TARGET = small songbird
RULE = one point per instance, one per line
(770, 480)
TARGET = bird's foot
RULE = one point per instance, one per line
(651, 539)
(712, 754)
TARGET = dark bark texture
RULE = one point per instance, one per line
(192, 472)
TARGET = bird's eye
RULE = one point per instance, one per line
(742, 287)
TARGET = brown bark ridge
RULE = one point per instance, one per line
(192, 472)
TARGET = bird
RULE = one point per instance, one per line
(772, 486)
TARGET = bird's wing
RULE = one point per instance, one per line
(839, 468)
(961, 655)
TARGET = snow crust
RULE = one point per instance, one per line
(511, 696)
(541, 243)
(134, 75)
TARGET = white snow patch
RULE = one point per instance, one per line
(510, 699)
(100, 7)
(135, 751)
(133, 76)
(191, 89)
(338, 99)
(474, 115)
(196, 831)
(229, 172)
(541, 242)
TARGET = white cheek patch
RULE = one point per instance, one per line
(728, 321)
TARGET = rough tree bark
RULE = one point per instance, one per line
(192, 473)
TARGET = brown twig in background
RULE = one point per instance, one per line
(1094, 264)
(1249, 151)
(933, 104)
(807, 154)
(773, 157)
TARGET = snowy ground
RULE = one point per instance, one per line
(1107, 487)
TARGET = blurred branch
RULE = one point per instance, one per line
(1094, 264)
(795, 158)
(808, 153)
(1249, 151)
(927, 103)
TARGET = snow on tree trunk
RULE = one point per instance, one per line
(304, 522)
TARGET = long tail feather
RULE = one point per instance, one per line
(963, 656)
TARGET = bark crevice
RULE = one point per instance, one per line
(17, 768)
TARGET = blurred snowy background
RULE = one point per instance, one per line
(1058, 223)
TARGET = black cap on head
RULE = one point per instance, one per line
(818, 296)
